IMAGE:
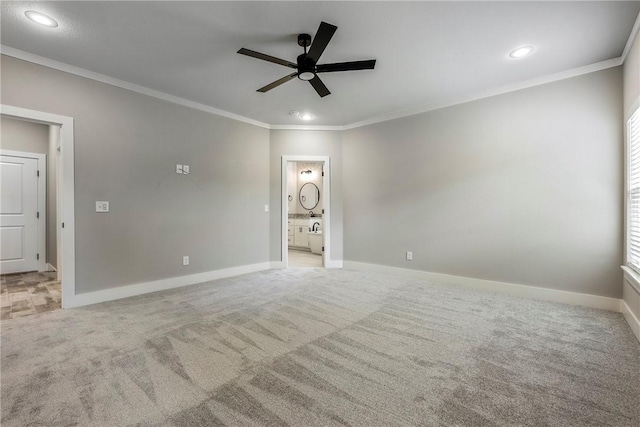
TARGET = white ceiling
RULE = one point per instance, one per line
(427, 52)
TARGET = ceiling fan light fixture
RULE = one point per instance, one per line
(521, 52)
(306, 75)
(41, 18)
(306, 65)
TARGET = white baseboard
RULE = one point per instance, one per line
(158, 285)
(334, 263)
(277, 264)
(553, 295)
(631, 318)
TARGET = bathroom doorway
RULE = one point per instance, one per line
(305, 211)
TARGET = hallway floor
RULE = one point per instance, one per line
(304, 259)
(23, 294)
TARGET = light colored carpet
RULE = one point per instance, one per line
(307, 347)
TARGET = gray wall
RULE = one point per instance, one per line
(20, 135)
(126, 149)
(522, 188)
(306, 143)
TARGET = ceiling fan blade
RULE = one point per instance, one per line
(319, 87)
(269, 58)
(321, 40)
(277, 82)
(346, 66)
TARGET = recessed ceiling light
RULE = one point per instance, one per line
(301, 116)
(41, 18)
(521, 52)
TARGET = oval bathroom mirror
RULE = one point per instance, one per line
(309, 196)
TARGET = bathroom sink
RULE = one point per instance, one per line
(315, 224)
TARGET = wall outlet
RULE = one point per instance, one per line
(179, 169)
(409, 256)
(185, 260)
(102, 206)
(185, 169)
(266, 208)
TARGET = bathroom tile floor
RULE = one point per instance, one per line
(23, 294)
(304, 259)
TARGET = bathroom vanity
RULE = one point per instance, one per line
(304, 230)
(298, 232)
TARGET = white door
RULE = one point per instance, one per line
(18, 214)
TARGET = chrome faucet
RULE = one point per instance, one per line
(315, 226)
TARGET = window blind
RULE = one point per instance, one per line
(633, 192)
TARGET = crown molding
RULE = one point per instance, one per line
(598, 66)
(631, 39)
(61, 66)
(305, 127)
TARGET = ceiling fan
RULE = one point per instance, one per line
(307, 67)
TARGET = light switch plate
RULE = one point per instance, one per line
(179, 169)
(409, 256)
(185, 169)
(185, 260)
(266, 208)
(102, 206)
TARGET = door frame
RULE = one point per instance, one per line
(65, 197)
(41, 245)
(326, 197)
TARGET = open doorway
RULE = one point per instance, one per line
(306, 211)
(28, 216)
(38, 220)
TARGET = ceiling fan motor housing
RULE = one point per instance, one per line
(306, 67)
